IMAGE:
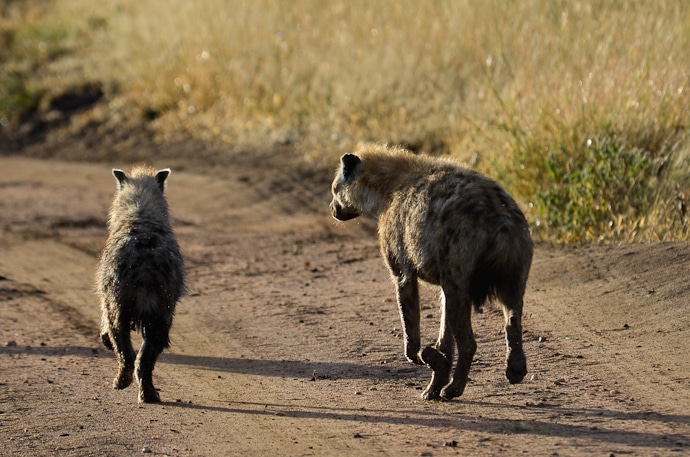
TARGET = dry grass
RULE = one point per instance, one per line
(581, 108)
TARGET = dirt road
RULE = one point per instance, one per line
(290, 344)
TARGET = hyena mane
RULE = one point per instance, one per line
(450, 226)
(140, 277)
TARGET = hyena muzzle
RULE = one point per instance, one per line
(140, 276)
(449, 226)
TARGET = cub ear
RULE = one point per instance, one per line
(350, 167)
(161, 176)
(120, 176)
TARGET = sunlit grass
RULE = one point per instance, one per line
(580, 108)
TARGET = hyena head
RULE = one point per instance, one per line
(342, 205)
(140, 193)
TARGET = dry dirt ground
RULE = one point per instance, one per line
(289, 342)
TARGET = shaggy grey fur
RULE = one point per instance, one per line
(140, 276)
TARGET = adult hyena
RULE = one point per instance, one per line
(449, 226)
(140, 276)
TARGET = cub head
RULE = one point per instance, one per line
(342, 207)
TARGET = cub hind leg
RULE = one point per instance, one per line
(155, 336)
(105, 329)
(120, 338)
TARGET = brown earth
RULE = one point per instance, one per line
(289, 342)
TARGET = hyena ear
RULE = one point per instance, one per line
(161, 176)
(351, 166)
(120, 176)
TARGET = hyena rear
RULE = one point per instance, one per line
(140, 276)
(448, 226)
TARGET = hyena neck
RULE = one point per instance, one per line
(135, 211)
(378, 183)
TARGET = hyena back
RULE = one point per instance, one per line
(140, 276)
(449, 226)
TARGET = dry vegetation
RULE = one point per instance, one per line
(580, 107)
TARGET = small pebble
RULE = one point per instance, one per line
(541, 339)
(146, 450)
(534, 377)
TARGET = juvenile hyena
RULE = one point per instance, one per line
(140, 276)
(449, 226)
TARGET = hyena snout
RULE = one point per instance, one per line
(342, 213)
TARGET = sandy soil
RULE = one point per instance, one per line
(289, 342)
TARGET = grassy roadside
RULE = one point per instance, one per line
(580, 108)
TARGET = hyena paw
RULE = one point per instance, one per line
(412, 354)
(123, 380)
(440, 364)
(516, 369)
(453, 390)
(432, 393)
(106, 341)
(149, 395)
(436, 360)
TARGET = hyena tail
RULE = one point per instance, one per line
(155, 329)
(500, 270)
(154, 319)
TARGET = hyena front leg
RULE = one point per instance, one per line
(408, 304)
(516, 362)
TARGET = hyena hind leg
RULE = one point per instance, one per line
(516, 361)
(155, 339)
(121, 340)
(460, 320)
(440, 356)
(105, 329)
(105, 338)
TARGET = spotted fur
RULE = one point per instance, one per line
(449, 226)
